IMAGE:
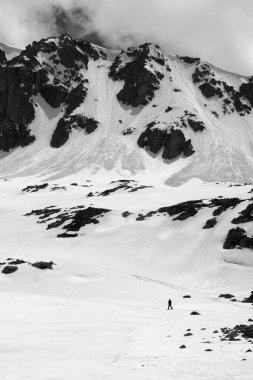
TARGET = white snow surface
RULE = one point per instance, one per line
(10, 51)
(101, 313)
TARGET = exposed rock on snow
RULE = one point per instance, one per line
(13, 265)
(227, 296)
(9, 269)
(127, 185)
(173, 142)
(71, 219)
(196, 125)
(43, 265)
(211, 85)
(37, 71)
(241, 331)
(16, 262)
(16, 107)
(34, 188)
(67, 123)
(189, 60)
(223, 204)
(140, 79)
(249, 299)
(74, 77)
(54, 95)
(2, 57)
(76, 97)
(188, 209)
(152, 138)
(210, 223)
(237, 238)
(246, 89)
(245, 215)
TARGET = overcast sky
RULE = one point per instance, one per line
(219, 31)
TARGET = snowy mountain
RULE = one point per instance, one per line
(189, 118)
(126, 179)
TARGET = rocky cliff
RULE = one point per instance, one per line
(135, 104)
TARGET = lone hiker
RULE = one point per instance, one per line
(170, 305)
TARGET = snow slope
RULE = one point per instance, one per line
(101, 312)
(223, 151)
(11, 51)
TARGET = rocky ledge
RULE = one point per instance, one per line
(71, 220)
(50, 68)
(233, 100)
(141, 72)
(172, 143)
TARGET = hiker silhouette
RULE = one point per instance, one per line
(170, 305)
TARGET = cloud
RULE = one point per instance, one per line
(219, 31)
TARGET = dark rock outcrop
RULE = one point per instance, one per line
(249, 299)
(67, 123)
(211, 85)
(43, 265)
(246, 89)
(245, 216)
(57, 79)
(125, 214)
(34, 188)
(210, 223)
(208, 90)
(168, 109)
(75, 98)
(189, 60)
(173, 142)
(61, 133)
(140, 83)
(16, 262)
(234, 236)
(152, 138)
(54, 95)
(72, 219)
(226, 295)
(237, 237)
(83, 217)
(184, 210)
(196, 125)
(16, 107)
(244, 331)
(248, 332)
(9, 269)
(89, 50)
(3, 59)
(223, 204)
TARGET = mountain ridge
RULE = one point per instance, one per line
(180, 111)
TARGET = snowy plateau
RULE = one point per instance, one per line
(126, 180)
